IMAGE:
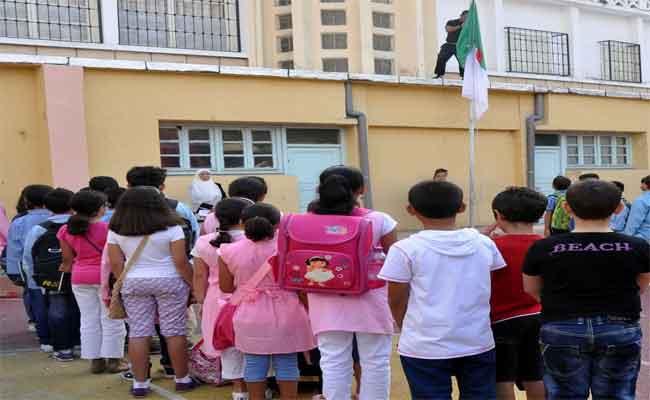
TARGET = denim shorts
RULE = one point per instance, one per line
(601, 354)
(256, 367)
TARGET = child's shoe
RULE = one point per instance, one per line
(115, 365)
(31, 326)
(140, 389)
(186, 384)
(46, 348)
(240, 396)
(63, 356)
(97, 366)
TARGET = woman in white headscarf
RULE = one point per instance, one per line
(204, 192)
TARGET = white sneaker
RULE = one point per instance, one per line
(31, 327)
(46, 348)
(240, 396)
(268, 394)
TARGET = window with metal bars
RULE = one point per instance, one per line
(537, 52)
(383, 20)
(334, 40)
(620, 61)
(383, 42)
(285, 44)
(211, 25)
(384, 66)
(281, 3)
(220, 148)
(285, 21)
(335, 64)
(601, 151)
(61, 20)
(332, 17)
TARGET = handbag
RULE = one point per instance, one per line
(203, 367)
(116, 307)
(224, 331)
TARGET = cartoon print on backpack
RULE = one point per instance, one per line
(318, 270)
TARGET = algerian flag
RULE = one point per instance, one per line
(471, 56)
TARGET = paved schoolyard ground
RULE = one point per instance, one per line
(27, 374)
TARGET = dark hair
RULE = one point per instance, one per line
(440, 171)
(337, 189)
(593, 199)
(114, 195)
(464, 12)
(228, 212)
(353, 175)
(620, 185)
(143, 211)
(103, 183)
(646, 180)
(253, 188)
(436, 200)
(587, 176)
(58, 200)
(260, 221)
(520, 204)
(146, 176)
(561, 183)
(34, 195)
(86, 204)
(21, 204)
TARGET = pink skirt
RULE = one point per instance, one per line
(643, 385)
(272, 321)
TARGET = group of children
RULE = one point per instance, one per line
(469, 304)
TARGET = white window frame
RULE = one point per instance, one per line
(333, 36)
(279, 23)
(110, 37)
(337, 11)
(216, 149)
(335, 60)
(597, 152)
(290, 48)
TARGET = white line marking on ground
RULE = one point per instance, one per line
(165, 393)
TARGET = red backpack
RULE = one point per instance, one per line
(329, 253)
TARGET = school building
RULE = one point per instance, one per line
(260, 88)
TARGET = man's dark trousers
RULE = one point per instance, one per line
(447, 51)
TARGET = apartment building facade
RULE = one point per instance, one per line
(245, 87)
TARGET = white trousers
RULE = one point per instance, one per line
(101, 337)
(336, 363)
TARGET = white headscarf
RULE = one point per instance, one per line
(204, 191)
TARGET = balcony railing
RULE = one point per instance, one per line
(537, 52)
(620, 61)
(643, 5)
(206, 25)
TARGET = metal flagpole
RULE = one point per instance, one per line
(472, 183)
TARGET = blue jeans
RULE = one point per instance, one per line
(27, 302)
(64, 320)
(256, 367)
(431, 379)
(601, 354)
(39, 305)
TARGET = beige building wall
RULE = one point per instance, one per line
(24, 153)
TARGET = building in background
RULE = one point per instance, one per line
(244, 87)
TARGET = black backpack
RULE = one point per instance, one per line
(187, 227)
(47, 257)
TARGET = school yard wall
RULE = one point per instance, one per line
(412, 129)
(24, 146)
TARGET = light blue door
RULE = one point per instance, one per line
(548, 165)
(307, 163)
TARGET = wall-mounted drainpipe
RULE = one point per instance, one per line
(531, 129)
(362, 129)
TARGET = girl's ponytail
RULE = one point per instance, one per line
(228, 213)
(335, 196)
(260, 221)
(86, 205)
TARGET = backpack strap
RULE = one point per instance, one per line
(90, 242)
(133, 259)
(251, 284)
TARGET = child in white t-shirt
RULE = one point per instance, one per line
(439, 294)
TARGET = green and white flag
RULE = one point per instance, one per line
(472, 57)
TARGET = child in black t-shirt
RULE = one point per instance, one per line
(589, 282)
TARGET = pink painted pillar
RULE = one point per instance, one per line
(66, 125)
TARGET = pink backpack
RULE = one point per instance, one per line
(329, 253)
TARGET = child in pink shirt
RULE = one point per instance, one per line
(337, 320)
(208, 293)
(82, 241)
(271, 325)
